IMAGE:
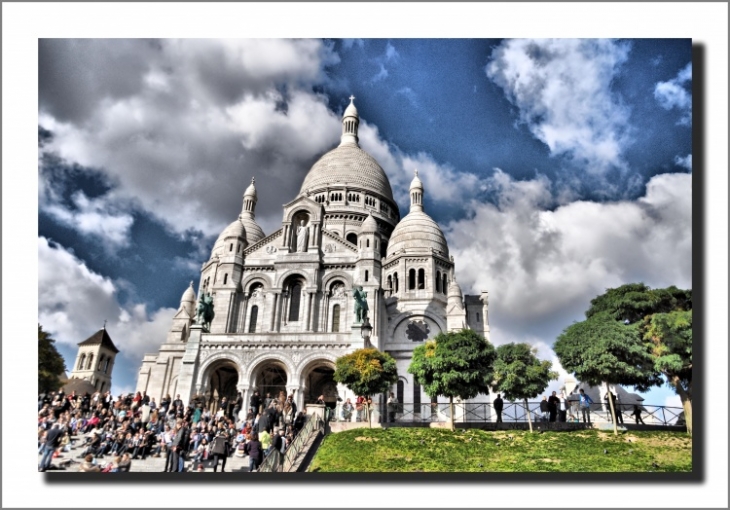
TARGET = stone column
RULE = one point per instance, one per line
(285, 236)
(274, 304)
(307, 310)
(243, 310)
(277, 320)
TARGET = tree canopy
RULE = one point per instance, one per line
(455, 364)
(520, 375)
(366, 371)
(50, 363)
(634, 335)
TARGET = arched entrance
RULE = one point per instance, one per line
(317, 379)
(270, 377)
(222, 382)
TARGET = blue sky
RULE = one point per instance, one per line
(556, 168)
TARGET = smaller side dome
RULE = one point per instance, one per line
(369, 226)
(235, 229)
(187, 302)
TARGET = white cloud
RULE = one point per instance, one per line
(677, 93)
(562, 90)
(349, 43)
(543, 266)
(74, 302)
(441, 181)
(195, 120)
(685, 162)
(92, 217)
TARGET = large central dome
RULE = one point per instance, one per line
(348, 165)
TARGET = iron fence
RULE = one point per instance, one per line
(512, 412)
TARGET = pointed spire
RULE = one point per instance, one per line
(416, 190)
(350, 123)
(250, 198)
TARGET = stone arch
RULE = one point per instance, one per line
(329, 278)
(315, 377)
(256, 278)
(267, 357)
(311, 207)
(212, 362)
(288, 274)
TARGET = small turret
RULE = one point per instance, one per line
(350, 123)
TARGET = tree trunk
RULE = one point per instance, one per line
(527, 410)
(612, 410)
(686, 403)
(451, 407)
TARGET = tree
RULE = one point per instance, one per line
(366, 372)
(454, 364)
(519, 375)
(50, 363)
(664, 321)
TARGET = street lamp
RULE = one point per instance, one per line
(365, 330)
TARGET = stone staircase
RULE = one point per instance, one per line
(70, 462)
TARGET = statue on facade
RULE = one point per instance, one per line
(302, 237)
(204, 312)
(361, 303)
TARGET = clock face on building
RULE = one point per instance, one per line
(417, 331)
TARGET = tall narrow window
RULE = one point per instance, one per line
(367, 243)
(444, 284)
(336, 319)
(390, 282)
(296, 296)
(91, 362)
(421, 279)
(225, 278)
(416, 398)
(395, 281)
(81, 361)
(411, 279)
(477, 316)
(101, 362)
(106, 366)
(366, 275)
(438, 281)
(231, 247)
(252, 320)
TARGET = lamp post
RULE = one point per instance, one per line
(365, 330)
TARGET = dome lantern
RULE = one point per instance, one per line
(249, 200)
(350, 122)
(416, 190)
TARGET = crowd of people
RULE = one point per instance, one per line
(110, 433)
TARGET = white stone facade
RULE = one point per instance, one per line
(284, 310)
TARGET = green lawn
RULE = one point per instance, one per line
(424, 449)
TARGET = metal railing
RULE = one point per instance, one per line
(278, 462)
(512, 412)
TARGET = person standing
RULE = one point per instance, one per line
(616, 408)
(255, 452)
(237, 406)
(255, 403)
(53, 440)
(498, 406)
(563, 410)
(220, 450)
(392, 407)
(544, 408)
(359, 406)
(637, 414)
(553, 403)
(584, 402)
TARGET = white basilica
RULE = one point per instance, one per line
(284, 310)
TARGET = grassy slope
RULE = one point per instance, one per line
(423, 449)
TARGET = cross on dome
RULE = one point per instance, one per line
(352, 98)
